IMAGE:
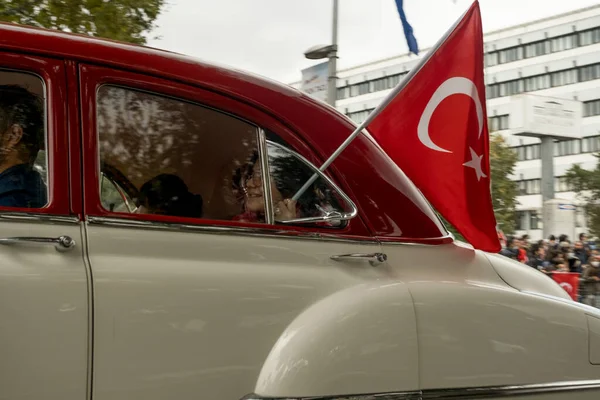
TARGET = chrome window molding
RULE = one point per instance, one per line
(423, 242)
(266, 177)
(343, 216)
(475, 393)
(36, 217)
(267, 232)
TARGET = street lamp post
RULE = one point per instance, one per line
(328, 51)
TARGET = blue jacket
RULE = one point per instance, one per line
(22, 186)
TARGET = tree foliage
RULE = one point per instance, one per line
(586, 184)
(125, 20)
(504, 190)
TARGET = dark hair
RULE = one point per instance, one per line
(167, 194)
(581, 236)
(20, 106)
(510, 240)
(242, 173)
(563, 238)
(552, 237)
(535, 248)
(289, 175)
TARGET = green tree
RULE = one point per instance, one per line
(586, 184)
(504, 190)
(125, 20)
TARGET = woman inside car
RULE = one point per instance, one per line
(248, 186)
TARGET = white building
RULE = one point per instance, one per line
(557, 56)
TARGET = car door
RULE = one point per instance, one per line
(232, 300)
(43, 279)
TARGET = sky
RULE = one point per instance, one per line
(269, 37)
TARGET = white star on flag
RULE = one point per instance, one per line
(475, 163)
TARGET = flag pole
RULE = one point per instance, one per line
(386, 101)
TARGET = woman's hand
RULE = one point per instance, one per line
(285, 210)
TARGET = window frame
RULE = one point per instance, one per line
(265, 159)
(52, 75)
(93, 77)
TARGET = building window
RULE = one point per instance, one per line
(544, 81)
(562, 78)
(510, 55)
(491, 59)
(567, 147)
(539, 82)
(589, 72)
(393, 81)
(534, 220)
(561, 184)
(363, 88)
(563, 43)
(529, 84)
(498, 123)
(359, 116)
(520, 220)
(591, 108)
(528, 152)
(589, 37)
(343, 92)
(380, 84)
(590, 144)
(529, 186)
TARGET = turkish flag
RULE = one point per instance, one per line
(435, 130)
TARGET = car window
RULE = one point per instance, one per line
(114, 197)
(172, 157)
(23, 159)
(289, 172)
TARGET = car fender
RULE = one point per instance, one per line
(359, 340)
(473, 335)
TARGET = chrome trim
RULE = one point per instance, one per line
(374, 258)
(475, 393)
(343, 216)
(267, 232)
(416, 395)
(119, 189)
(425, 240)
(33, 217)
(61, 243)
(263, 153)
(493, 392)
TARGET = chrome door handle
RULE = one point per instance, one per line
(374, 258)
(61, 243)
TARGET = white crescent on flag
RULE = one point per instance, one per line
(456, 85)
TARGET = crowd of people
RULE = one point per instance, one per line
(556, 255)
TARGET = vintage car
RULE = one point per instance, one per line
(158, 270)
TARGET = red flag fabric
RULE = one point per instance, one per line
(435, 130)
(569, 281)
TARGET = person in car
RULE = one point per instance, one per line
(21, 136)
(249, 186)
(167, 194)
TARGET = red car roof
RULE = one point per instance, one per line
(387, 201)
